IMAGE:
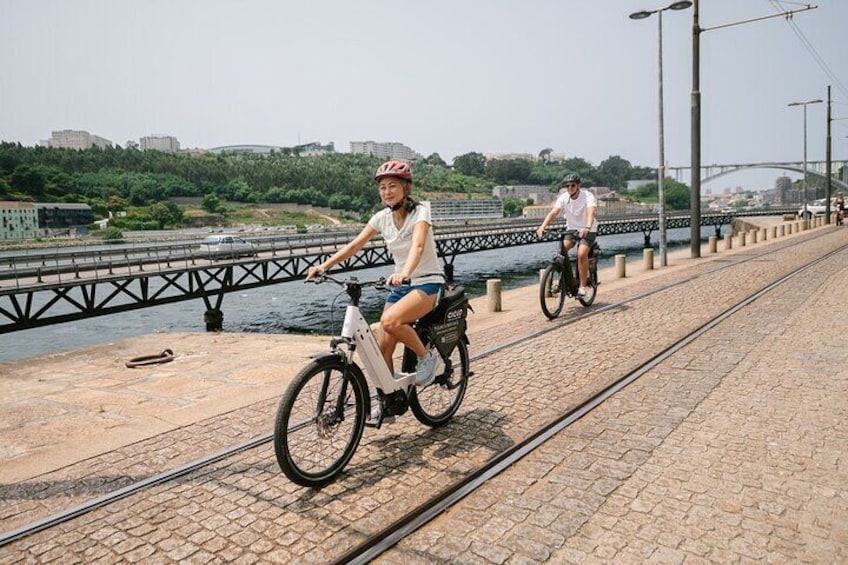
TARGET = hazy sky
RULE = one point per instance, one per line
(443, 76)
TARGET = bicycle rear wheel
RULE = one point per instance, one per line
(313, 440)
(552, 292)
(435, 404)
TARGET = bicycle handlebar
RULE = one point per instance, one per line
(379, 284)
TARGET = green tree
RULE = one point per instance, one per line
(545, 155)
(211, 203)
(471, 164)
(435, 159)
(512, 207)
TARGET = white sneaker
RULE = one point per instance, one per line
(426, 369)
(582, 291)
(376, 418)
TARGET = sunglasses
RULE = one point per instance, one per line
(570, 184)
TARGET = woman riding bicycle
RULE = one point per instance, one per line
(407, 230)
(579, 208)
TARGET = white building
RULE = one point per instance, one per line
(384, 150)
(539, 194)
(76, 139)
(163, 143)
(465, 209)
(18, 220)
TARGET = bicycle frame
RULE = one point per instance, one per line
(356, 332)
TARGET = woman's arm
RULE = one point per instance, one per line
(351, 248)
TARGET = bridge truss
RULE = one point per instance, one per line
(97, 292)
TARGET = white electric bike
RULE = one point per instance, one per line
(323, 411)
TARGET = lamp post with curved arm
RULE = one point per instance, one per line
(641, 15)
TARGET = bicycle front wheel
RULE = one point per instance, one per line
(435, 404)
(552, 292)
(320, 421)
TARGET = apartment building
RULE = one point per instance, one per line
(384, 150)
(18, 220)
(163, 143)
(465, 209)
(76, 139)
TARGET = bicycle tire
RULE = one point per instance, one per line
(588, 299)
(435, 404)
(311, 444)
(551, 291)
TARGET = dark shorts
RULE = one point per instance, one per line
(571, 235)
(398, 292)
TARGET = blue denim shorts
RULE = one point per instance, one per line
(398, 292)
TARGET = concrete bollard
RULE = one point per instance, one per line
(741, 239)
(493, 293)
(764, 234)
(728, 242)
(753, 234)
(713, 244)
(773, 232)
(620, 269)
(782, 230)
(648, 258)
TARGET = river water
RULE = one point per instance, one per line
(297, 308)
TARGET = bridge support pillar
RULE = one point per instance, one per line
(214, 320)
(449, 272)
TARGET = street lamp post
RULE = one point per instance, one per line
(695, 244)
(804, 182)
(681, 5)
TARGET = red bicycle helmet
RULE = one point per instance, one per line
(399, 169)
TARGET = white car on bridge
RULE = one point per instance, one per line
(227, 247)
(815, 208)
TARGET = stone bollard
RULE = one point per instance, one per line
(774, 232)
(493, 292)
(742, 239)
(620, 269)
(782, 230)
(728, 242)
(753, 236)
(713, 244)
(648, 258)
(764, 234)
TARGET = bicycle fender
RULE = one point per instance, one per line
(328, 355)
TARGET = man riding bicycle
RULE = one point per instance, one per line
(579, 208)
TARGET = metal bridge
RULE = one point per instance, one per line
(39, 288)
(814, 168)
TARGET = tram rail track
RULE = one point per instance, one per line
(437, 504)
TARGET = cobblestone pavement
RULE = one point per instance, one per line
(568, 499)
(730, 451)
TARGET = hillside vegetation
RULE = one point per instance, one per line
(145, 184)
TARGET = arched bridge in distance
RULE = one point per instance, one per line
(814, 168)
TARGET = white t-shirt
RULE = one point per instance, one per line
(399, 243)
(576, 210)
